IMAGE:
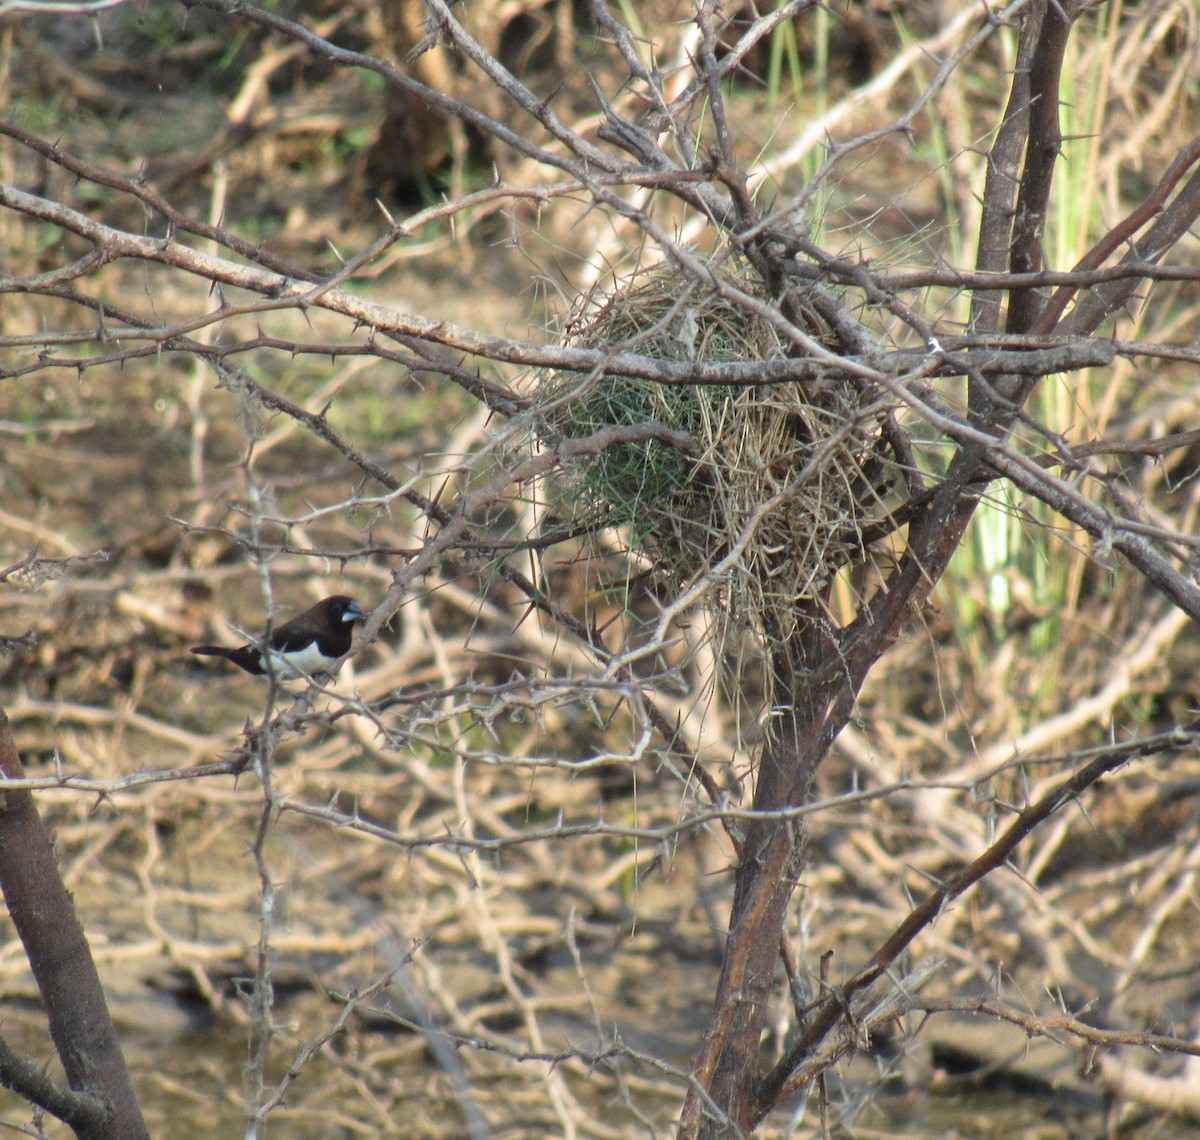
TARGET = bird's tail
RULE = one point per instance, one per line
(212, 650)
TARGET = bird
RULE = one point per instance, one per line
(309, 643)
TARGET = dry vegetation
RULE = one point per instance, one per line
(481, 886)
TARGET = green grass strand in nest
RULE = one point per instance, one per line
(779, 479)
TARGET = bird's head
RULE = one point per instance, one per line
(342, 608)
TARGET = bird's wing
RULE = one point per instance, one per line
(291, 641)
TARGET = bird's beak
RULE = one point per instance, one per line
(354, 612)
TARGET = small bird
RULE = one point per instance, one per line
(308, 643)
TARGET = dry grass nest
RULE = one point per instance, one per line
(772, 499)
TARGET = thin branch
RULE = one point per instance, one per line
(787, 1077)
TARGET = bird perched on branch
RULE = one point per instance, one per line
(309, 643)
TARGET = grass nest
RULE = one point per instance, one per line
(773, 498)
